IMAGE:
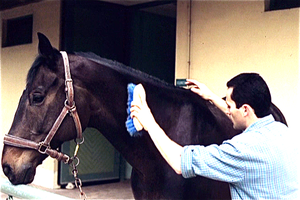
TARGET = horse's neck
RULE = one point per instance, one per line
(107, 96)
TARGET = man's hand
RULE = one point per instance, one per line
(140, 111)
(200, 89)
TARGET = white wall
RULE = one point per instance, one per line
(227, 38)
(231, 37)
(15, 63)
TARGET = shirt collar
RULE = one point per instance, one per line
(261, 122)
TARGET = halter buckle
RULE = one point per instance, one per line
(43, 148)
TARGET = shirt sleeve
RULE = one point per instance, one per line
(223, 163)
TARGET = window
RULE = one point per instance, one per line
(17, 31)
(281, 4)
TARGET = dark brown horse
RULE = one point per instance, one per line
(100, 88)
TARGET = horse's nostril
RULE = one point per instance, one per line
(27, 173)
(6, 169)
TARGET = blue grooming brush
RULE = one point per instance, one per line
(129, 122)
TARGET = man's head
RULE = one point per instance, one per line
(247, 92)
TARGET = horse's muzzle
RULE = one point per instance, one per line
(25, 175)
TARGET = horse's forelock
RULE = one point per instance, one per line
(33, 71)
(39, 61)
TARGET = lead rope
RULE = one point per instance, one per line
(78, 182)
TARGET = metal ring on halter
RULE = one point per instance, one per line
(43, 148)
(72, 161)
(79, 140)
(70, 108)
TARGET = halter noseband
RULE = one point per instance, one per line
(69, 107)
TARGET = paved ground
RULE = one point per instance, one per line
(116, 190)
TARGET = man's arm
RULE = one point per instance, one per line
(203, 91)
(170, 150)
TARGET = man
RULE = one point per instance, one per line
(259, 163)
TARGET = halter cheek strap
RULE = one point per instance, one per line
(69, 104)
(69, 107)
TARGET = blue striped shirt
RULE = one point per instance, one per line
(260, 163)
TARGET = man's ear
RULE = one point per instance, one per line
(247, 110)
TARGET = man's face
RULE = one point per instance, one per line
(235, 114)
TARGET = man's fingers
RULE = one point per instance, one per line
(136, 104)
(133, 113)
(196, 90)
(193, 84)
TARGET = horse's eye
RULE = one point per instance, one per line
(37, 98)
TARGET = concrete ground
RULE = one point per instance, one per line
(117, 190)
(114, 190)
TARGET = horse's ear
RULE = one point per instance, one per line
(46, 50)
(45, 47)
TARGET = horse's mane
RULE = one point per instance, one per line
(125, 69)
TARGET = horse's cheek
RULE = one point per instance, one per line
(30, 120)
(35, 118)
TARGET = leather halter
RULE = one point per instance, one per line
(69, 107)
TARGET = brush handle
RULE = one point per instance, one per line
(138, 126)
(139, 95)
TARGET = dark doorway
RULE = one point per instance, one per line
(141, 36)
(137, 36)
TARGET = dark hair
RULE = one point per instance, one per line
(251, 89)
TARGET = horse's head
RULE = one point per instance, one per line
(39, 107)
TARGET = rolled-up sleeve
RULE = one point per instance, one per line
(187, 162)
(222, 162)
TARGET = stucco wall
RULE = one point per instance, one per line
(15, 63)
(230, 37)
(227, 38)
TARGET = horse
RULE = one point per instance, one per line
(100, 92)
